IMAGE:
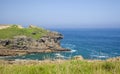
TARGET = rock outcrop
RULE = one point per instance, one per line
(50, 41)
(46, 43)
(79, 57)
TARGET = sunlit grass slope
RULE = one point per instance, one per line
(14, 30)
(68, 67)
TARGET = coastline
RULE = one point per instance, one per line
(22, 45)
(76, 58)
(8, 52)
(28, 40)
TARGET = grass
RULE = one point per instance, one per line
(15, 31)
(67, 67)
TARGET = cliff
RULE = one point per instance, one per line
(30, 40)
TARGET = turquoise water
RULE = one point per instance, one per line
(90, 43)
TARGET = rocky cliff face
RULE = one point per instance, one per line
(17, 41)
(50, 41)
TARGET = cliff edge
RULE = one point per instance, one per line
(16, 40)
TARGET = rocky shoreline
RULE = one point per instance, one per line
(76, 58)
(8, 52)
(20, 45)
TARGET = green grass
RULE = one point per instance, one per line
(68, 67)
(15, 31)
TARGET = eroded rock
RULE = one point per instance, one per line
(49, 42)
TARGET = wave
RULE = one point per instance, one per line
(58, 55)
(102, 56)
(73, 50)
(99, 56)
(70, 46)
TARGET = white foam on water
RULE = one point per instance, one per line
(102, 56)
(58, 55)
(69, 46)
(23, 56)
(73, 51)
(99, 56)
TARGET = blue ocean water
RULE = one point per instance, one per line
(90, 43)
(93, 43)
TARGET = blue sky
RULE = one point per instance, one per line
(61, 13)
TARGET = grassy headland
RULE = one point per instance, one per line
(51, 67)
(28, 40)
(14, 30)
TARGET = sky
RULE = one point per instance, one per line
(61, 13)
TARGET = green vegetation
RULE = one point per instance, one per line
(14, 30)
(67, 67)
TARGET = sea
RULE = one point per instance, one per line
(88, 43)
